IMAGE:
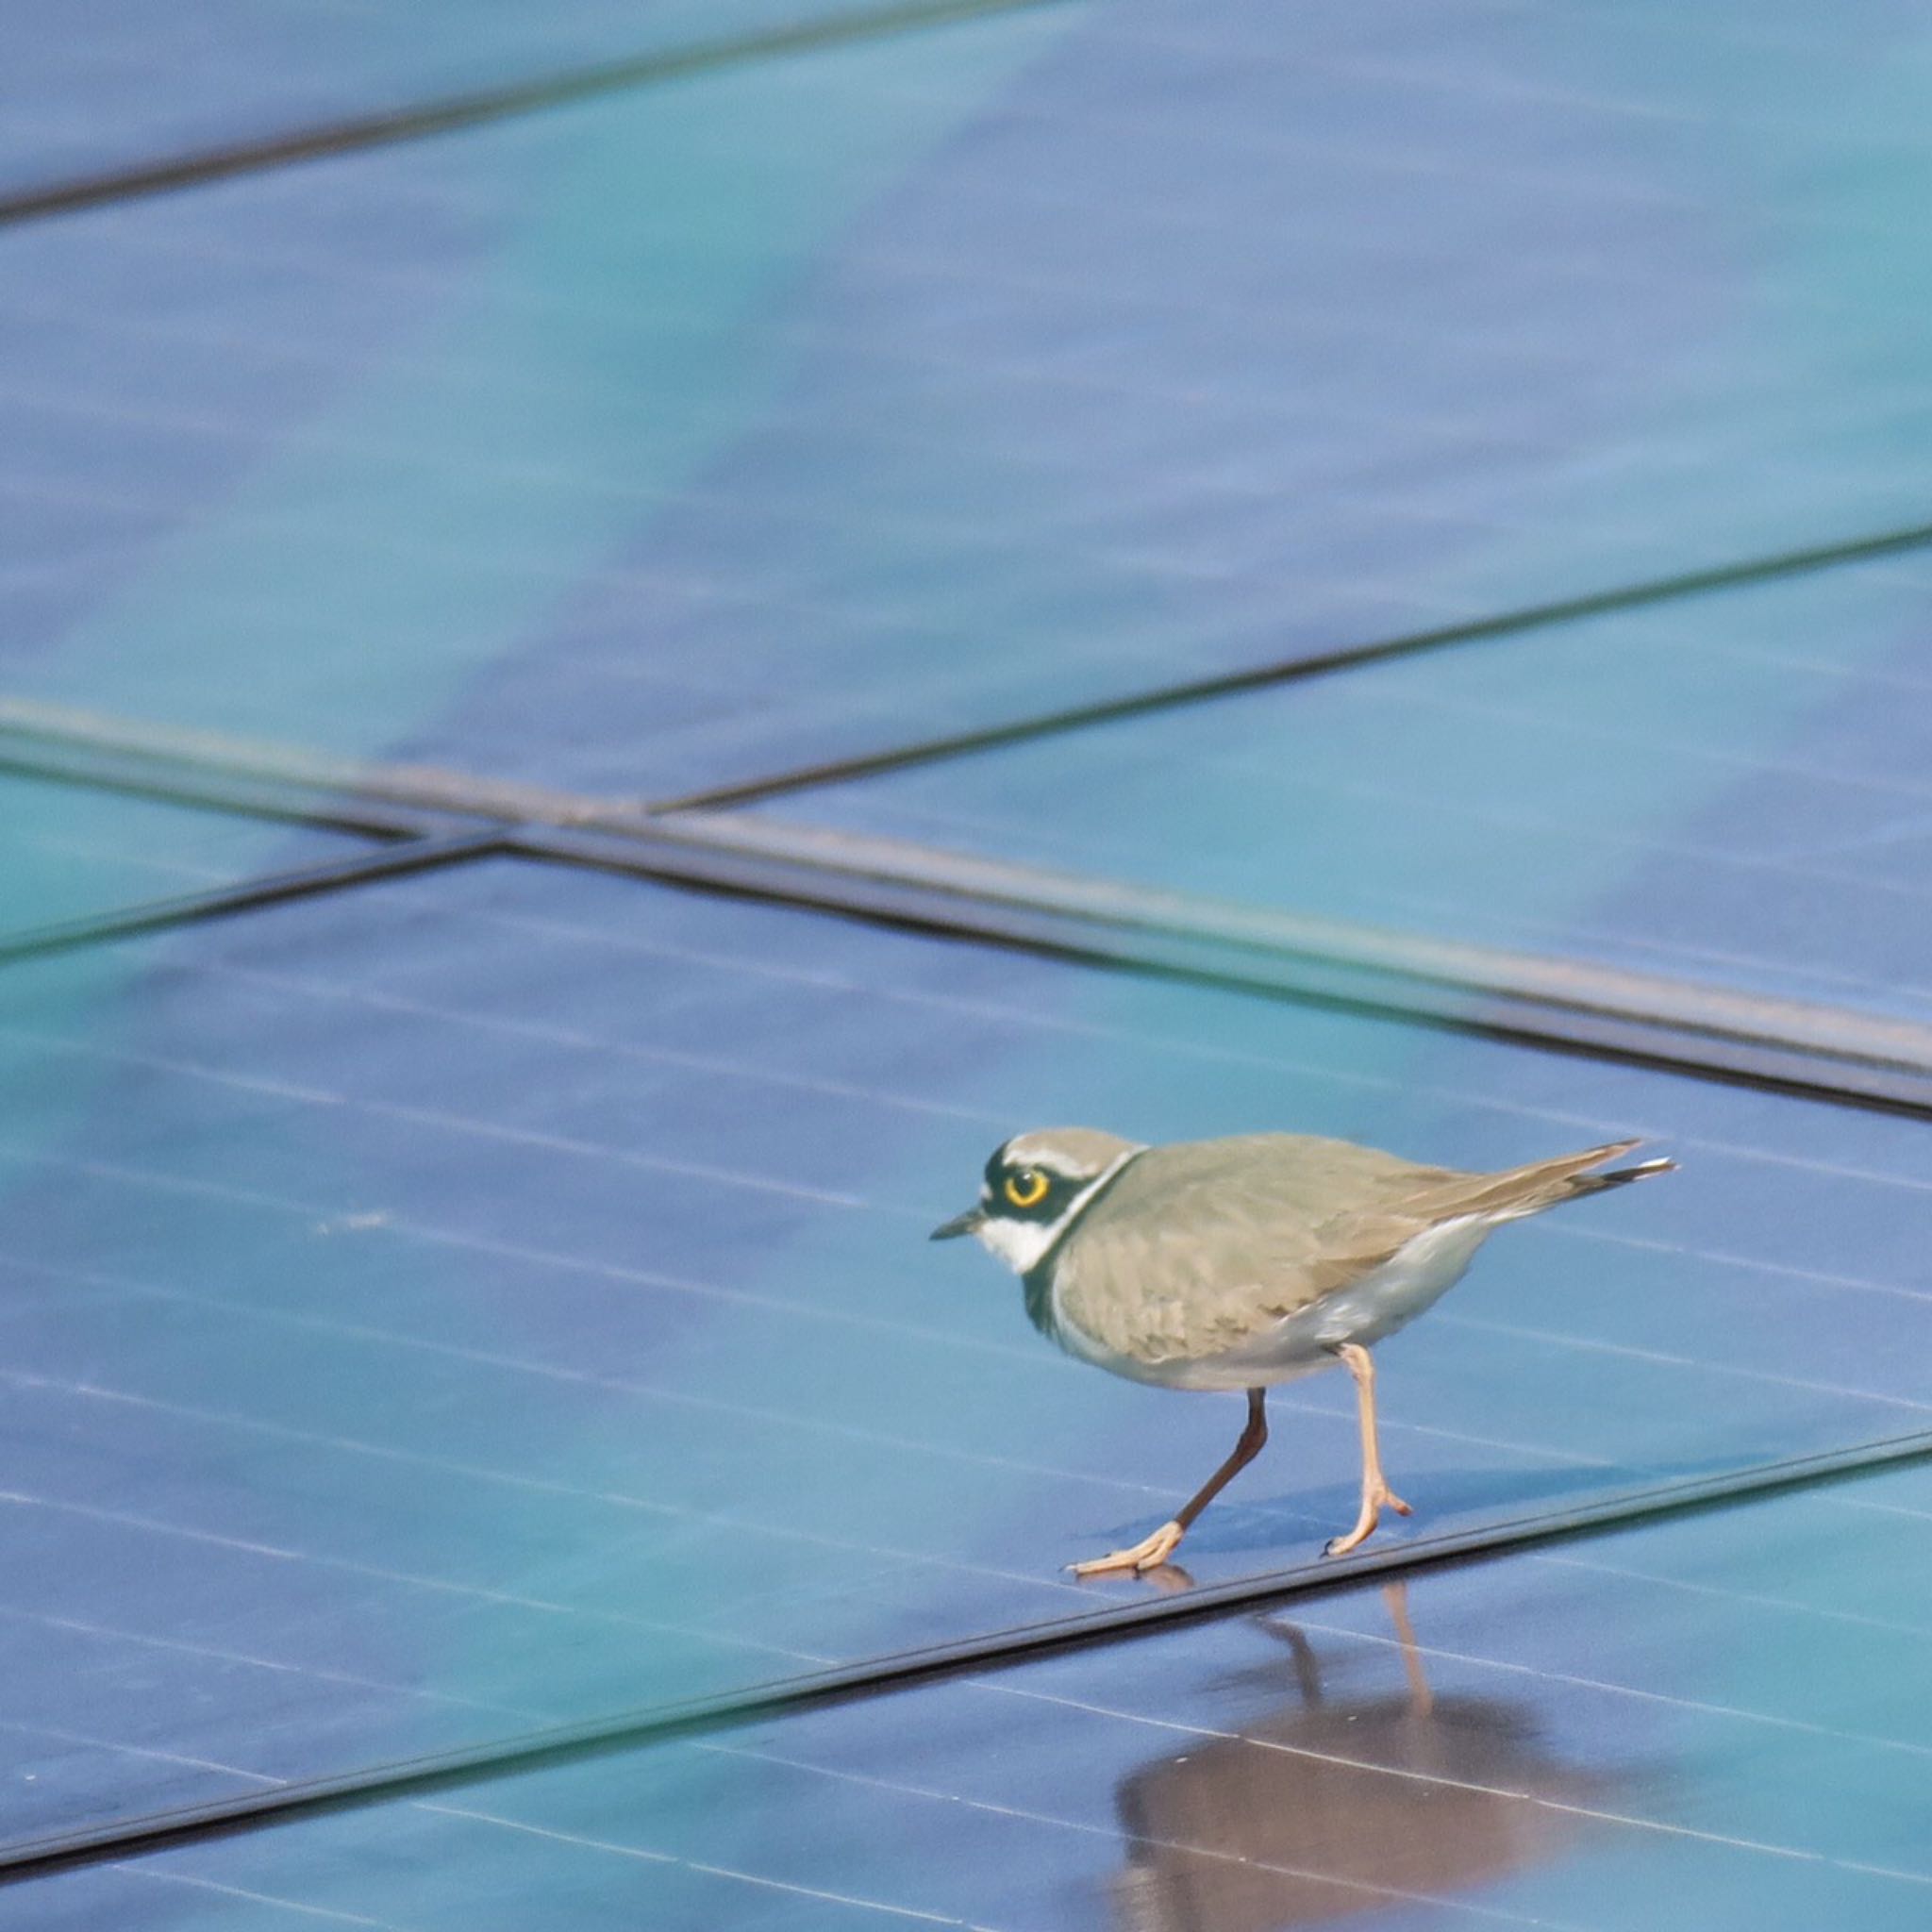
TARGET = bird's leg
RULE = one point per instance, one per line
(1375, 1491)
(1158, 1547)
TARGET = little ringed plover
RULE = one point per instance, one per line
(1242, 1262)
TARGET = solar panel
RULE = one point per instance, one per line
(1732, 788)
(415, 397)
(1688, 1722)
(68, 853)
(136, 85)
(495, 1299)
(809, 408)
(500, 1298)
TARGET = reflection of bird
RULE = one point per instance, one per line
(1318, 1809)
(1242, 1262)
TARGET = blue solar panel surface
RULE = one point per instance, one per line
(805, 408)
(1699, 1724)
(1733, 787)
(106, 85)
(502, 1297)
(70, 852)
(498, 1298)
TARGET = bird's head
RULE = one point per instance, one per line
(1033, 1188)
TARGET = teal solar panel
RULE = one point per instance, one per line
(1730, 787)
(1701, 1723)
(113, 86)
(498, 1299)
(814, 407)
(501, 1298)
(68, 853)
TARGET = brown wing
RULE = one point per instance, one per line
(1200, 1244)
(1203, 1244)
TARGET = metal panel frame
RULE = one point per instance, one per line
(451, 113)
(427, 819)
(420, 1778)
(1836, 1053)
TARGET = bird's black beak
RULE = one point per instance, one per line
(969, 1222)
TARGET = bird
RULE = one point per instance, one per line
(1246, 1261)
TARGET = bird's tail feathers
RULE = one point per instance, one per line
(1617, 1177)
(1521, 1190)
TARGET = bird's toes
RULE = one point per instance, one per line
(1093, 1566)
(1158, 1547)
(1341, 1545)
(1148, 1555)
(1107, 1565)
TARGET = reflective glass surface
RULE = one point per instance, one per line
(502, 1297)
(68, 853)
(1734, 788)
(113, 84)
(807, 409)
(1713, 1722)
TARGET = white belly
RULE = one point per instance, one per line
(1369, 1310)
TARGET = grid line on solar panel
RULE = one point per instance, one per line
(1834, 1051)
(563, 384)
(540, 1139)
(1655, 786)
(1426, 1654)
(868, 298)
(448, 1015)
(1519, 1332)
(508, 1599)
(1080, 846)
(645, 969)
(256, 1897)
(1136, 1492)
(885, 1799)
(781, 971)
(72, 853)
(378, 860)
(1853, 1500)
(805, 515)
(469, 1813)
(1007, 1015)
(1477, 630)
(1078, 850)
(314, 1215)
(852, 438)
(541, 86)
(94, 1392)
(803, 508)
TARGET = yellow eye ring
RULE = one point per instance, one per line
(1026, 1188)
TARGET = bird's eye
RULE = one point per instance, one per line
(1026, 1188)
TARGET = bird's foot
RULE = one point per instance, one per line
(1147, 1554)
(1375, 1497)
